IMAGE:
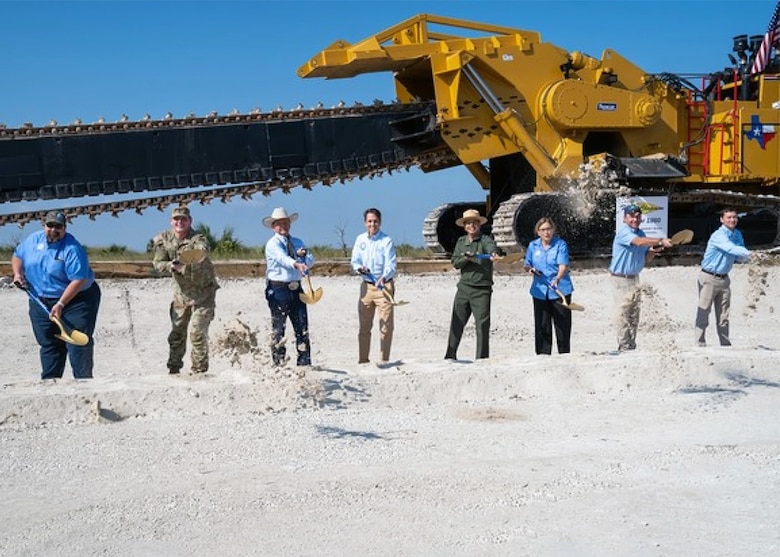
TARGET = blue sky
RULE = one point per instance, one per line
(67, 60)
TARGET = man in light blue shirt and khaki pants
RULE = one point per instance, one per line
(631, 250)
(724, 247)
(373, 257)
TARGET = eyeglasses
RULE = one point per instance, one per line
(54, 225)
(545, 229)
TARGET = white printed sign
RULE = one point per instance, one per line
(655, 213)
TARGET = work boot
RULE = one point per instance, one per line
(174, 370)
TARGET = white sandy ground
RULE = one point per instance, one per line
(669, 450)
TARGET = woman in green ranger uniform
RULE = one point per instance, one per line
(473, 255)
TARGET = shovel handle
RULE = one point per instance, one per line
(32, 296)
(67, 333)
(373, 279)
(539, 274)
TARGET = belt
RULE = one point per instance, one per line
(57, 299)
(623, 276)
(716, 275)
(291, 285)
(373, 283)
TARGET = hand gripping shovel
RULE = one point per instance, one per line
(67, 333)
(312, 296)
(573, 306)
(385, 291)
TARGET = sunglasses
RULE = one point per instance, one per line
(55, 225)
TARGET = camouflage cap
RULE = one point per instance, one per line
(57, 217)
(181, 212)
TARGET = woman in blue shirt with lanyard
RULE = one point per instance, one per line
(547, 258)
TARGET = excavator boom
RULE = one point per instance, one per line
(243, 154)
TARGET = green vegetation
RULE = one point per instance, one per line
(227, 246)
(225, 249)
(6, 251)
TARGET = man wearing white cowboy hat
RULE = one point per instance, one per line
(473, 255)
(287, 261)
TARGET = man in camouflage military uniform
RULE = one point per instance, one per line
(195, 287)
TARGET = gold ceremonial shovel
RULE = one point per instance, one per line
(387, 294)
(391, 299)
(312, 296)
(682, 237)
(191, 256)
(67, 333)
(573, 306)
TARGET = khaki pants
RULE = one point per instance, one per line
(371, 299)
(713, 291)
(628, 301)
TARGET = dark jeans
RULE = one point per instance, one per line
(80, 313)
(285, 303)
(546, 314)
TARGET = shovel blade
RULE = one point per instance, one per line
(512, 258)
(573, 306)
(682, 237)
(311, 297)
(74, 337)
(192, 256)
(391, 298)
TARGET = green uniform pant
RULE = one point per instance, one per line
(470, 300)
(198, 318)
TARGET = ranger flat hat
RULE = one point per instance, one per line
(471, 214)
(279, 213)
(181, 212)
(55, 217)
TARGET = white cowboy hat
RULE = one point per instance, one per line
(279, 213)
(471, 214)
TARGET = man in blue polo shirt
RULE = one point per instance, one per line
(631, 250)
(54, 266)
(724, 247)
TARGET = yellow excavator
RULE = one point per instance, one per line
(544, 131)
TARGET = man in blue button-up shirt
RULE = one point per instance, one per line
(725, 247)
(287, 262)
(373, 257)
